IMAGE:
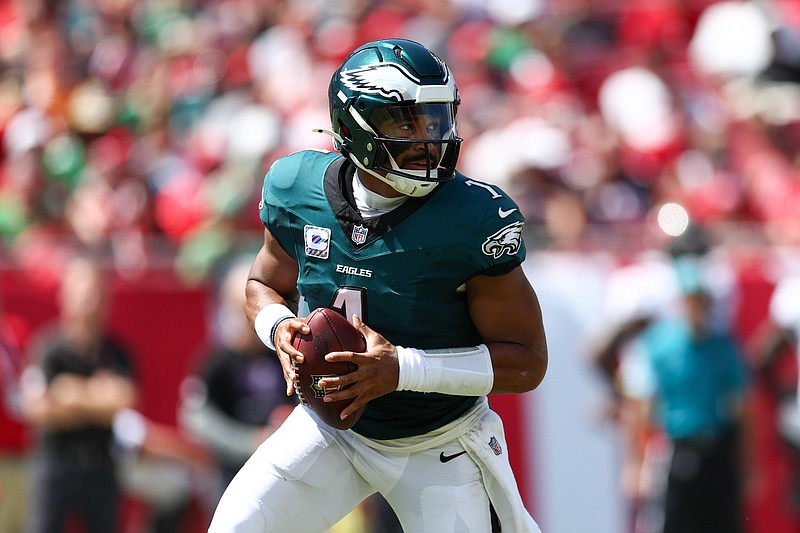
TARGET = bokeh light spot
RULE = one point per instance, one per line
(673, 219)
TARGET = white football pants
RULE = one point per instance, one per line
(307, 476)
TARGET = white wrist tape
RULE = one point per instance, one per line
(456, 371)
(267, 321)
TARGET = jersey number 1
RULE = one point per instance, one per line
(351, 301)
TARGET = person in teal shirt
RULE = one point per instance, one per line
(693, 380)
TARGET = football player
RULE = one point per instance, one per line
(426, 263)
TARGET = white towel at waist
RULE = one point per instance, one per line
(485, 442)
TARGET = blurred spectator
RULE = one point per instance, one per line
(647, 291)
(648, 288)
(777, 350)
(693, 380)
(238, 397)
(79, 379)
(14, 435)
(160, 467)
(779, 337)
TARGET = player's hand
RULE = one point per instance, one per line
(377, 374)
(287, 355)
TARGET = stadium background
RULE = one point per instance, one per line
(142, 129)
(565, 455)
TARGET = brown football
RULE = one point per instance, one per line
(330, 332)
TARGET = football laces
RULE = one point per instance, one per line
(296, 381)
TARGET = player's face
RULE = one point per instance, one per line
(426, 123)
(415, 156)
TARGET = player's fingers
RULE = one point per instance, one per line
(287, 330)
(332, 382)
(286, 347)
(351, 357)
(289, 370)
(289, 378)
(353, 393)
(363, 328)
(352, 408)
(297, 325)
(333, 395)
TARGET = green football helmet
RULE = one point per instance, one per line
(393, 107)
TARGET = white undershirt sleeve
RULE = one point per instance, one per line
(457, 371)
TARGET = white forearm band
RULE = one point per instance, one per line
(267, 321)
(456, 371)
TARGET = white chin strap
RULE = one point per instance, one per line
(402, 184)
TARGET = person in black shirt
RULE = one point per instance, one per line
(79, 379)
(237, 398)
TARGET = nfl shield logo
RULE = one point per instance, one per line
(495, 446)
(359, 235)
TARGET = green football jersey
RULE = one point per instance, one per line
(403, 272)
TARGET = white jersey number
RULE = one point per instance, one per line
(351, 301)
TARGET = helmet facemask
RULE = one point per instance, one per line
(417, 146)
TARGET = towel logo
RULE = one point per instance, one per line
(495, 446)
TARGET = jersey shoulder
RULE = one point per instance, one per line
(297, 171)
(481, 202)
(294, 181)
(487, 213)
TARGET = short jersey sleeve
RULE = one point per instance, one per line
(290, 182)
(494, 224)
(271, 209)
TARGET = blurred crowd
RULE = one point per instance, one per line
(133, 126)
